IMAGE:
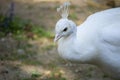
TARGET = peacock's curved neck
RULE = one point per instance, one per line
(70, 49)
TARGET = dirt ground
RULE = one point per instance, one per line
(39, 59)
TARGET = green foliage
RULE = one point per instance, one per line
(35, 74)
(22, 29)
(2, 18)
(73, 16)
(41, 32)
(105, 76)
(15, 26)
(53, 78)
(48, 47)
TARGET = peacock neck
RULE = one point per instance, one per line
(69, 49)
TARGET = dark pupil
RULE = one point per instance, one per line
(65, 29)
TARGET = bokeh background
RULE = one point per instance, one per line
(27, 50)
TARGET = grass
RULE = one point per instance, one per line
(53, 78)
(73, 16)
(35, 74)
(29, 7)
(23, 29)
(50, 75)
(41, 32)
(48, 47)
(55, 75)
(26, 58)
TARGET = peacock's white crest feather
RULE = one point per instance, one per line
(64, 10)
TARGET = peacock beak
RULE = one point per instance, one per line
(57, 37)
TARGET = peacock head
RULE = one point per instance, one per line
(64, 27)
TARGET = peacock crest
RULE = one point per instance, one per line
(63, 10)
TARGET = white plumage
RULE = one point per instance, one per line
(96, 41)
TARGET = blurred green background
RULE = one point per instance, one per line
(27, 50)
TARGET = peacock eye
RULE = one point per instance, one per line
(65, 29)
